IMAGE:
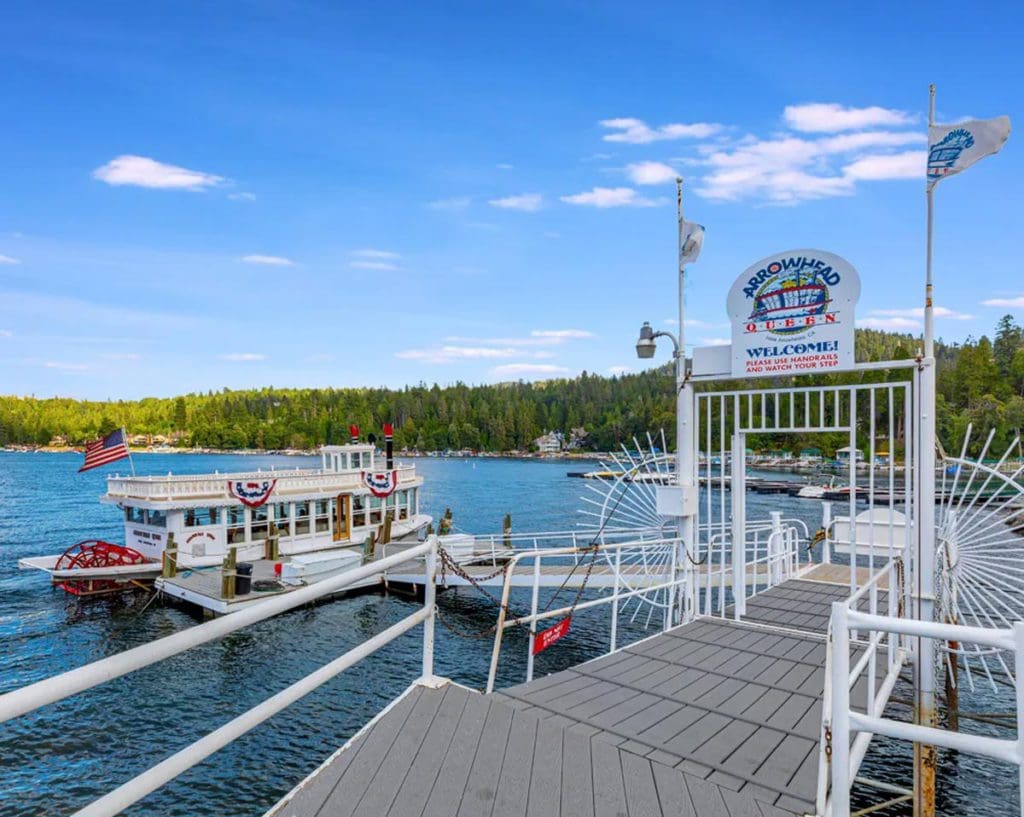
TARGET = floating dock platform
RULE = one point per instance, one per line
(714, 718)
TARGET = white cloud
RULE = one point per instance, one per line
(121, 356)
(243, 196)
(504, 166)
(141, 171)
(604, 197)
(527, 369)
(65, 367)
(454, 203)
(888, 323)
(650, 173)
(716, 341)
(268, 260)
(527, 202)
(830, 117)
(697, 323)
(6, 333)
(918, 312)
(1011, 303)
(386, 266)
(552, 234)
(373, 259)
(908, 165)
(787, 169)
(243, 357)
(638, 132)
(619, 370)
(369, 252)
(598, 157)
(559, 335)
(6, 259)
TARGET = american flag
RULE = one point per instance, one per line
(108, 449)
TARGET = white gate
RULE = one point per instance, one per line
(870, 427)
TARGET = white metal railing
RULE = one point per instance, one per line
(32, 697)
(493, 548)
(845, 722)
(183, 486)
(665, 577)
(770, 555)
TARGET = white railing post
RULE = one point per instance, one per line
(739, 537)
(826, 524)
(615, 599)
(774, 549)
(839, 717)
(430, 603)
(1018, 668)
(533, 618)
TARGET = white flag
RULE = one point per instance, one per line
(691, 241)
(952, 148)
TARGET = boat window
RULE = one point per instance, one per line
(260, 518)
(301, 518)
(197, 517)
(403, 504)
(236, 524)
(156, 519)
(356, 458)
(375, 516)
(322, 509)
(282, 518)
(136, 515)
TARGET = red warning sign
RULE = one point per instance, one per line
(545, 638)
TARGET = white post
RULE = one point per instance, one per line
(533, 618)
(430, 603)
(615, 599)
(739, 527)
(686, 460)
(924, 664)
(839, 717)
(775, 550)
(826, 525)
(1018, 640)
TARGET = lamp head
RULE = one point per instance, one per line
(645, 344)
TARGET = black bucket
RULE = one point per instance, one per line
(243, 579)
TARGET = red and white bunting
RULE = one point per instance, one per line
(251, 493)
(381, 484)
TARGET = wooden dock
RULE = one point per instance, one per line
(716, 718)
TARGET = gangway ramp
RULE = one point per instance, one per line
(714, 718)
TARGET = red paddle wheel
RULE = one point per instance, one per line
(94, 553)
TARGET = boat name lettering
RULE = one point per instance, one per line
(199, 535)
(798, 264)
(788, 323)
(145, 534)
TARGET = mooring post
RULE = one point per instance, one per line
(227, 582)
(386, 535)
(506, 531)
(270, 547)
(826, 525)
(170, 558)
(430, 602)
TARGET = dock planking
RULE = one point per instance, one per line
(716, 718)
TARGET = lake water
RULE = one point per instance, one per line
(61, 757)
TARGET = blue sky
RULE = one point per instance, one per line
(339, 194)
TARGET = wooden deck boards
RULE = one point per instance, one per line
(716, 718)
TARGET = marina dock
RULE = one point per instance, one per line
(714, 718)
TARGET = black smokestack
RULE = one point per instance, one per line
(389, 445)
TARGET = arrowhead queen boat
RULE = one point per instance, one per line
(313, 512)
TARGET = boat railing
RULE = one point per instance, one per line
(27, 699)
(215, 486)
(645, 571)
(847, 732)
(498, 547)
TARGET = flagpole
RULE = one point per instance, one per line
(127, 448)
(925, 756)
(686, 460)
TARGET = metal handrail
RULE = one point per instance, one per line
(843, 721)
(504, 622)
(56, 688)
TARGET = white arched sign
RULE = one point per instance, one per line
(793, 313)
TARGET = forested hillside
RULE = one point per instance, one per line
(980, 382)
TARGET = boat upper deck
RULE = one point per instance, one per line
(204, 487)
(715, 718)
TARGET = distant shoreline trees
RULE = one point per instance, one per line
(981, 382)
